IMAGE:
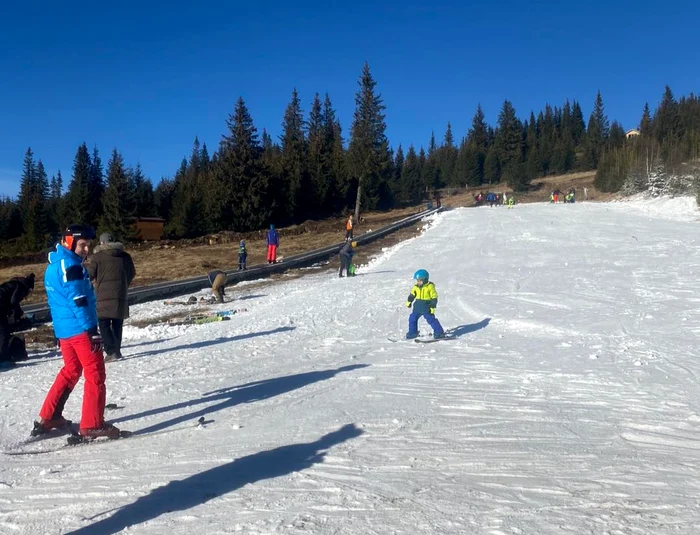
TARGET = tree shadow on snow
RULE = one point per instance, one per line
(228, 397)
(204, 486)
(207, 343)
(470, 328)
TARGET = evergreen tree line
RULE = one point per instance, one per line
(107, 202)
(663, 158)
(311, 172)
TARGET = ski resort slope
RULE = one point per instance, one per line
(569, 402)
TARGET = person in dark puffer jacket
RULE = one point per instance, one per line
(112, 271)
(12, 293)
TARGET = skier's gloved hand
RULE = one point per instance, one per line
(95, 340)
(408, 304)
(432, 311)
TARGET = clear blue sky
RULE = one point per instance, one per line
(148, 77)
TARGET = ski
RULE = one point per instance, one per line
(197, 320)
(431, 340)
(77, 439)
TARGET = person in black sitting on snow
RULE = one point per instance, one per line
(12, 293)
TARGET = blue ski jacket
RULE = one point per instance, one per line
(70, 294)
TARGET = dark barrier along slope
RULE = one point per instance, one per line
(165, 290)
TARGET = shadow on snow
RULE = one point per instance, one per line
(469, 328)
(228, 397)
(204, 486)
(207, 343)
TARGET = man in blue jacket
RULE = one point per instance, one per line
(74, 312)
(273, 240)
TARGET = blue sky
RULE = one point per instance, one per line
(148, 77)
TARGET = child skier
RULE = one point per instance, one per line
(242, 255)
(424, 299)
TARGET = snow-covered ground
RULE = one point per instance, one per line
(569, 403)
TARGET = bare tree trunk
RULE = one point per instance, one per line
(357, 200)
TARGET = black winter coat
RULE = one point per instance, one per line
(111, 270)
(12, 293)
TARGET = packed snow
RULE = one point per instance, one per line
(568, 403)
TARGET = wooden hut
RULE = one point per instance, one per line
(149, 228)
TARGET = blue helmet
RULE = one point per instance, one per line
(422, 275)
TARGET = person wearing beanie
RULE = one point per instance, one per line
(12, 293)
(112, 270)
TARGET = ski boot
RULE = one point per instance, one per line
(45, 426)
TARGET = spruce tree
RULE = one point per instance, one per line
(597, 133)
(492, 166)
(533, 165)
(116, 217)
(369, 156)
(27, 187)
(95, 188)
(616, 138)
(239, 171)
(448, 158)
(164, 196)
(144, 199)
(645, 125)
(295, 201)
(318, 159)
(55, 204)
(35, 218)
(399, 161)
(78, 203)
(338, 168)
(411, 187)
(509, 147)
(478, 135)
(578, 125)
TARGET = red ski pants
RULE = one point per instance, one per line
(272, 253)
(78, 357)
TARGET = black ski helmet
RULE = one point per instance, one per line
(77, 232)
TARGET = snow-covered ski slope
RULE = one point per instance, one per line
(570, 402)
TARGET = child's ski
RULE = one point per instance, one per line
(197, 320)
(431, 340)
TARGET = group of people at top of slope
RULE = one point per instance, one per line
(494, 199)
(569, 197)
(88, 304)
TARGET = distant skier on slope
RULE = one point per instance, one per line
(273, 241)
(423, 298)
(345, 255)
(242, 255)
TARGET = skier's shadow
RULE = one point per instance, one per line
(228, 397)
(469, 328)
(215, 482)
